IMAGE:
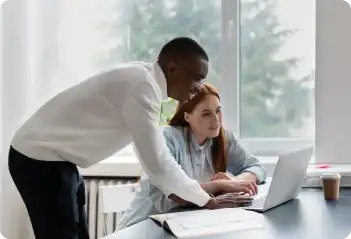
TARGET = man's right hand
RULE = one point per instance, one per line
(236, 186)
(229, 200)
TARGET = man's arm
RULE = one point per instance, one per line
(161, 202)
(141, 112)
(164, 203)
(223, 199)
(210, 188)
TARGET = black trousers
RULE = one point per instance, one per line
(54, 195)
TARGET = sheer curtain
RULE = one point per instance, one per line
(32, 70)
(46, 47)
(28, 60)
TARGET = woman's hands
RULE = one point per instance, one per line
(235, 186)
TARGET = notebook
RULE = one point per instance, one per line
(208, 222)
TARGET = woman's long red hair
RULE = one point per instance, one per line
(219, 157)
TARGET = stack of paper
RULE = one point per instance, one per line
(207, 222)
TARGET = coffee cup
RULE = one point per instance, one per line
(331, 185)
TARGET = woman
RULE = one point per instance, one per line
(204, 149)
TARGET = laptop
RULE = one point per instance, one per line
(286, 182)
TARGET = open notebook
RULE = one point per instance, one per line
(208, 222)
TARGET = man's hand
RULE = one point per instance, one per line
(234, 200)
(229, 200)
(236, 186)
(212, 204)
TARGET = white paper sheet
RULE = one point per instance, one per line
(206, 222)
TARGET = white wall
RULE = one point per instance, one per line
(333, 83)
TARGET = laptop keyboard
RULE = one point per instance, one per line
(258, 202)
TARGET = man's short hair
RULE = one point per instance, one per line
(182, 47)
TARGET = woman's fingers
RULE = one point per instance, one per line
(246, 190)
(250, 185)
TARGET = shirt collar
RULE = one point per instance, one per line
(161, 79)
(194, 144)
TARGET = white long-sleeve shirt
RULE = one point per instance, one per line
(92, 120)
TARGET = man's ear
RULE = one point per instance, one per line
(171, 68)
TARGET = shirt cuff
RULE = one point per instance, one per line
(166, 192)
(259, 173)
(200, 199)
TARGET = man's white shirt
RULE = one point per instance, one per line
(91, 121)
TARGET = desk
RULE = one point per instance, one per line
(307, 217)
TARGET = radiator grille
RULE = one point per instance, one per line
(97, 221)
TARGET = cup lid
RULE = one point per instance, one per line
(330, 176)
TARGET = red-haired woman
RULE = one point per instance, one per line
(205, 150)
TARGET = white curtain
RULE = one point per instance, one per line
(47, 45)
(28, 60)
(14, 94)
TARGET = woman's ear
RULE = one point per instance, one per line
(186, 116)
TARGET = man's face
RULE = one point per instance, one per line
(187, 77)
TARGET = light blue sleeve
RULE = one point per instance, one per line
(161, 202)
(240, 161)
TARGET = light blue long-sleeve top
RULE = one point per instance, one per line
(197, 165)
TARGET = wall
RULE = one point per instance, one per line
(333, 83)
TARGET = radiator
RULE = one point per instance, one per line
(99, 224)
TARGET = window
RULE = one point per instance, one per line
(276, 69)
(261, 56)
(276, 74)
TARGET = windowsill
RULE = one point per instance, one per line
(122, 166)
(127, 166)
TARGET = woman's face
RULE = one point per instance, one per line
(206, 118)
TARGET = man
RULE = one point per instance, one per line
(91, 121)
